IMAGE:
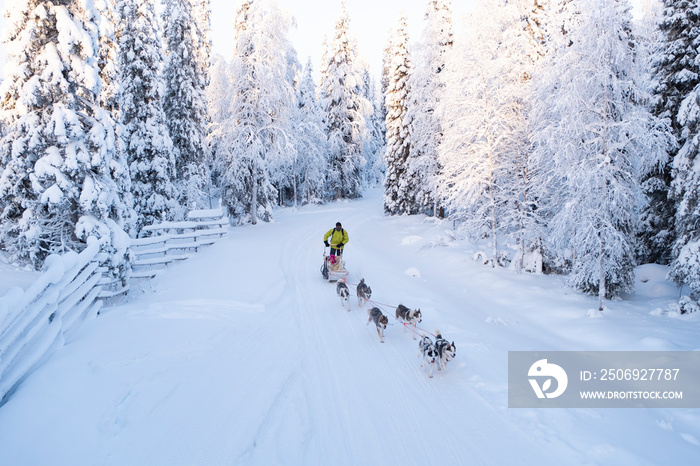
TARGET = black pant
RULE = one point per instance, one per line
(336, 252)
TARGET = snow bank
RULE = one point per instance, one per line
(650, 281)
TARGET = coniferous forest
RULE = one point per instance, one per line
(561, 133)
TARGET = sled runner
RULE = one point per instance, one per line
(333, 268)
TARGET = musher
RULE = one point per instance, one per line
(338, 239)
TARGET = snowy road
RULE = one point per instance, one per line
(243, 355)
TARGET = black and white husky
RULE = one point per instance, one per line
(446, 351)
(364, 292)
(429, 353)
(343, 293)
(380, 321)
(408, 316)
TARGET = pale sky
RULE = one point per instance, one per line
(370, 22)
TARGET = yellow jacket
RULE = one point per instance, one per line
(336, 237)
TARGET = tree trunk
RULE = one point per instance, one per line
(601, 284)
(494, 229)
(254, 197)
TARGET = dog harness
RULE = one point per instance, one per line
(440, 345)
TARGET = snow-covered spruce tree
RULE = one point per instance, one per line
(218, 93)
(282, 157)
(202, 33)
(485, 148)
(55, 188)
(374, 144)
(184, 101)
(555, 19)
(148, 146)
(398, 188)
(109, 100)
(685, 187)
(426, 85)
(344, 107)
(2, 135)
(310, 143)
(108, 63)
(593, 131)
(676, 72)
(259, 122)
(469, 153)
(523, 44)
(108, 57)
(384, 80)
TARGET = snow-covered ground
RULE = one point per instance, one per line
(13, 275)
(243, 355)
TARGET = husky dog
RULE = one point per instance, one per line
(429, 353)
(409, 316)
(446, 351)
(380, 321)
(343, 293)
(364, 292)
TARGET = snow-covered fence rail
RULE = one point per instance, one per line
(74, 285)
(173, 241)
(33, 322)
(112, 286)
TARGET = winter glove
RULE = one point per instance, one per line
(339, 245)
(326, 243)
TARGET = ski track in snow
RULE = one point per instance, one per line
(243, 355)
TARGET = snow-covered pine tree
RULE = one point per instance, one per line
(281, 157)
(2, 135)
(592, 131)
(426, 85)
(344, 107)
(202, 33)
(108, 57)
(470, 150)
(202, 20)
(681, 21)
(108, 63)
(109, 100)
(219, 99)
(147, 142)
(384, 80)
(485, 149)
(523, 44)
(310, 142)
(558, 17)
(374, 144)
(184, 101)
(56, 188)
(398, 189)
(676, 72)
(259, 123)
(554, 18)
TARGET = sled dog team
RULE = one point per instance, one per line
(437, 353)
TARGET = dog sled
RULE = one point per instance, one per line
(333, 268)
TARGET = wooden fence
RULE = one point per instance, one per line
(33, 322)
(74, 287)
(175, 241)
